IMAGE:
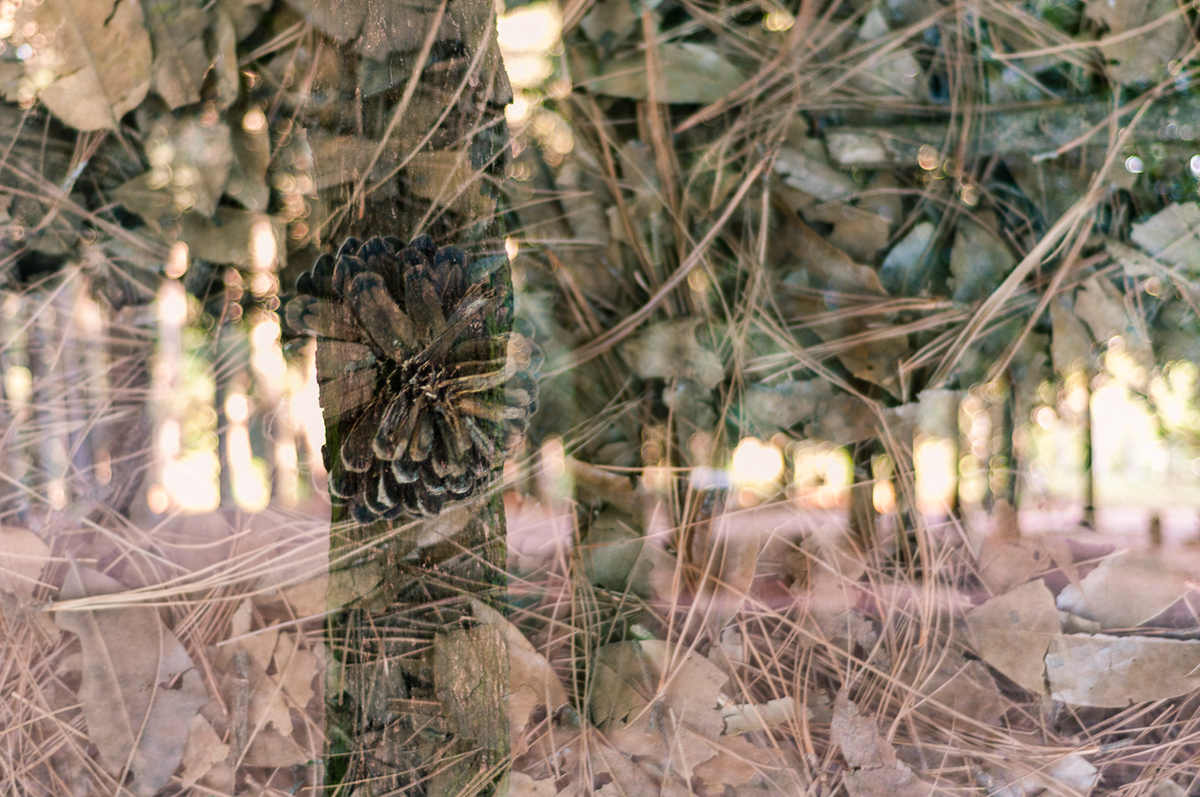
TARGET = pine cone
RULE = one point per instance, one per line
(411, 363)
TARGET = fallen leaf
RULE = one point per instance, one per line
(23, 555)
(673, 349)
(1142, 58)
(270, 748)
(180, 60)
(609, 23)
(225, 62)
(858, 233)
(521, 785)
(887, 73)
(726, 550)
(295, 668)
(874, 770)
(268, 703)
(533, 683)
(1012, 632)
(1125, 591)
(203, 749)
(861, 743)
(190, 163)
(739, 762)
(629, 678)
(140, 689)
(748, 717)
(1172, 235)
(1102, 307)
(813, 175)
(247, 182)
(1070, 341)
(611, 548)
(906, 266)
(1116, 672)
(235, 237)
(691, 73)
(799, 249)
(98, 68)
(979, 261)
(786, 404)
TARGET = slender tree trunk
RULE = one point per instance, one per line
(1089, 469)
(422, 660)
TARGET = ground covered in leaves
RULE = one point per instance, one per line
(826, 299)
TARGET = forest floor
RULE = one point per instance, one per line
(817, 294)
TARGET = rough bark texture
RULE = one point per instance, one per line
(405, 121)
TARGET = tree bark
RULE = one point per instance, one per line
(405, 122)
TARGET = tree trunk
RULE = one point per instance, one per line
(421, 660)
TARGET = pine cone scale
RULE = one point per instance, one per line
(410, 344)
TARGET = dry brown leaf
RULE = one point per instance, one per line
(23, 555)
(247, 182)
(225, 62)
(1008, 563)
(308, 597)
(645, 699)
(270, 748)
(191, 160)
(521, 785)
(1115, 672)
(140, 689)
(1125, 591)
(268, 703)
(691, 73)
(239, 622)
(1070, 342)
(874, 770)
(1013, 631)
(532, 683)
(906, 266)
(671, 349)
(894, 73)
(1143, 58)
(180, 59)
(98, 67)
(611, 549)
(758, 716)
(727, 552)
(1172, 235)
(234, 237)
(1103, 309)
(261, 647)
(799, 247)
(862, 745)
(858, 233)
(619, 774)
(295, 668)
(979, 261)
(897, 781)
(964, 687)
(203, 749)
(788, 403)
(739, 763)
(812, 174)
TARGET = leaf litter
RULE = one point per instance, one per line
(704, 637)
